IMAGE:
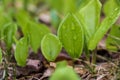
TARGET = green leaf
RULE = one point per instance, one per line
(22, 18)
(82, 3)
(50, 47)
(21, 52)
(0, 55)
(70, 6)
(9, 31)
(113, 39)
(91, 16)
(35, 30)
(56, 4)
(61, 64)
(67, 5)
(104, 27)
(5, 19)
(109, 6)
(71, 35)
(55, 19)
(61, 73)
(36, 33)
(118, 2)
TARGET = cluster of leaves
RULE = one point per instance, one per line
(113, 40)
(76, 32)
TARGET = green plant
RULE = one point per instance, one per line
(92, 20)
(61, 72)
(113, 39)
(108, 8)
(8, 33)
(94, 35)
(70, 33)
(104, 27)
(50, 47)
(21, 51)
(80, 30)
(0, 55)
(35, 30)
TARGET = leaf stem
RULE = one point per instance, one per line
(94, 55)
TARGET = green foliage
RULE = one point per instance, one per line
(71, 35)
(22, 18)
(8, 32)
(61, 64)
(7, 29)
(70, 6)
(35, 30)
(104, 27)
(110, 5)
(113, 40)
(67, 5)
(56, 4)
(5, 19)
(0, 55)
(91, 16)
(118, 2)
(50, 47)
(55, 19)
(21, 51)
(83, 23)
(82, 3)
(64, 73)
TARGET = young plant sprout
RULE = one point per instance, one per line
(35, 30)
(50, 46)
(79, 32)
(21, 51)
(63, 72)
(71, 35)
